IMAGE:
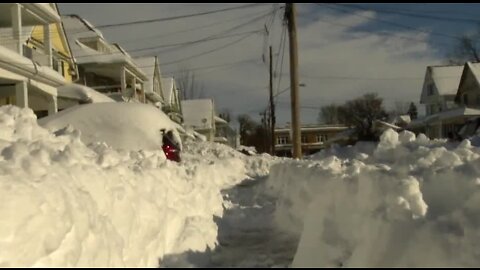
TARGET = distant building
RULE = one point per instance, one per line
(313, 137)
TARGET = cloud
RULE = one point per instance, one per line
(333, 54)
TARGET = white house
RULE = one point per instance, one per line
(440, 87)
(105, 67)
(27, 74)
(153, 85)
(172, 107)
(199, 115)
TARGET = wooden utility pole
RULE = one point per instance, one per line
(272, 107)
(292, 38)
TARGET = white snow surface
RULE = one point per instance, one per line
(129, 126)
(405, 202)
(83, 93)
(65, 204)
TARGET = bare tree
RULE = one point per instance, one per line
(226, 114)
(400, 108)
(329, 114)
(361, 113)
(190, 88)
(467, 48)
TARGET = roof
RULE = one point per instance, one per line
(77, 29)
(147, 65)
(219, 120)
(314, 128)
(168, 87)
(82, 93)
(454, 113)
(198, 113)
(446, 79)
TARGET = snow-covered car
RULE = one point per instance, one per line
(127, 126)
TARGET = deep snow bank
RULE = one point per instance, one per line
(407, 201)
(65, 204)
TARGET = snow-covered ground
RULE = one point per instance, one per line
(65, 204)
(405, 202)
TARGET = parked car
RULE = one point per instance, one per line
(129, 126)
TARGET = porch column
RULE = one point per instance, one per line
(142, 87)
(16, 11)
(47, 42)
(21, 95)
(52, 105)
(134, 87)
(123, 82)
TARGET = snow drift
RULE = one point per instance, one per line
(64, 204)
(406, 202)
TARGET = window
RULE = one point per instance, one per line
(282, 140)
(321, 137)
(465, 99)
(304, 139)
(430, 90)
(55, 64)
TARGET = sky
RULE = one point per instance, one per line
(345, 51)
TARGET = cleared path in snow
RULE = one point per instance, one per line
(246, 236)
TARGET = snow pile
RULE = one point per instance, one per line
(64, 204)
(255, 166)
(406, 202)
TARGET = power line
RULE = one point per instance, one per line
(219, 34)
(189, 43)
(81, 30)
(191, 29)
(208, 52)
(175, 17)
(221, 65)
(283, 45)
(395, 24)
(410, 14)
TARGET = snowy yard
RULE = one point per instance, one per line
(405, 202)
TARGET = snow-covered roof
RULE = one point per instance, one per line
(454, 113)
(382, 125)
(78, 29)
(219, 120)
(402, 118)
(82, 93)
(446, 78)
(198, 113)
(147, 65)
(168, 87)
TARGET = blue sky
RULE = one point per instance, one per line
(343, 54)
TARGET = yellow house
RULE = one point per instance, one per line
(62, 60)
(35, 58)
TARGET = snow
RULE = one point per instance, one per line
(198, 113)
(405, 202)
(26, 67)
(82, 93)
(65, 204)
(129, 126)
(447, 79)
(169, 90)
(454, 113)
(219, 120)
